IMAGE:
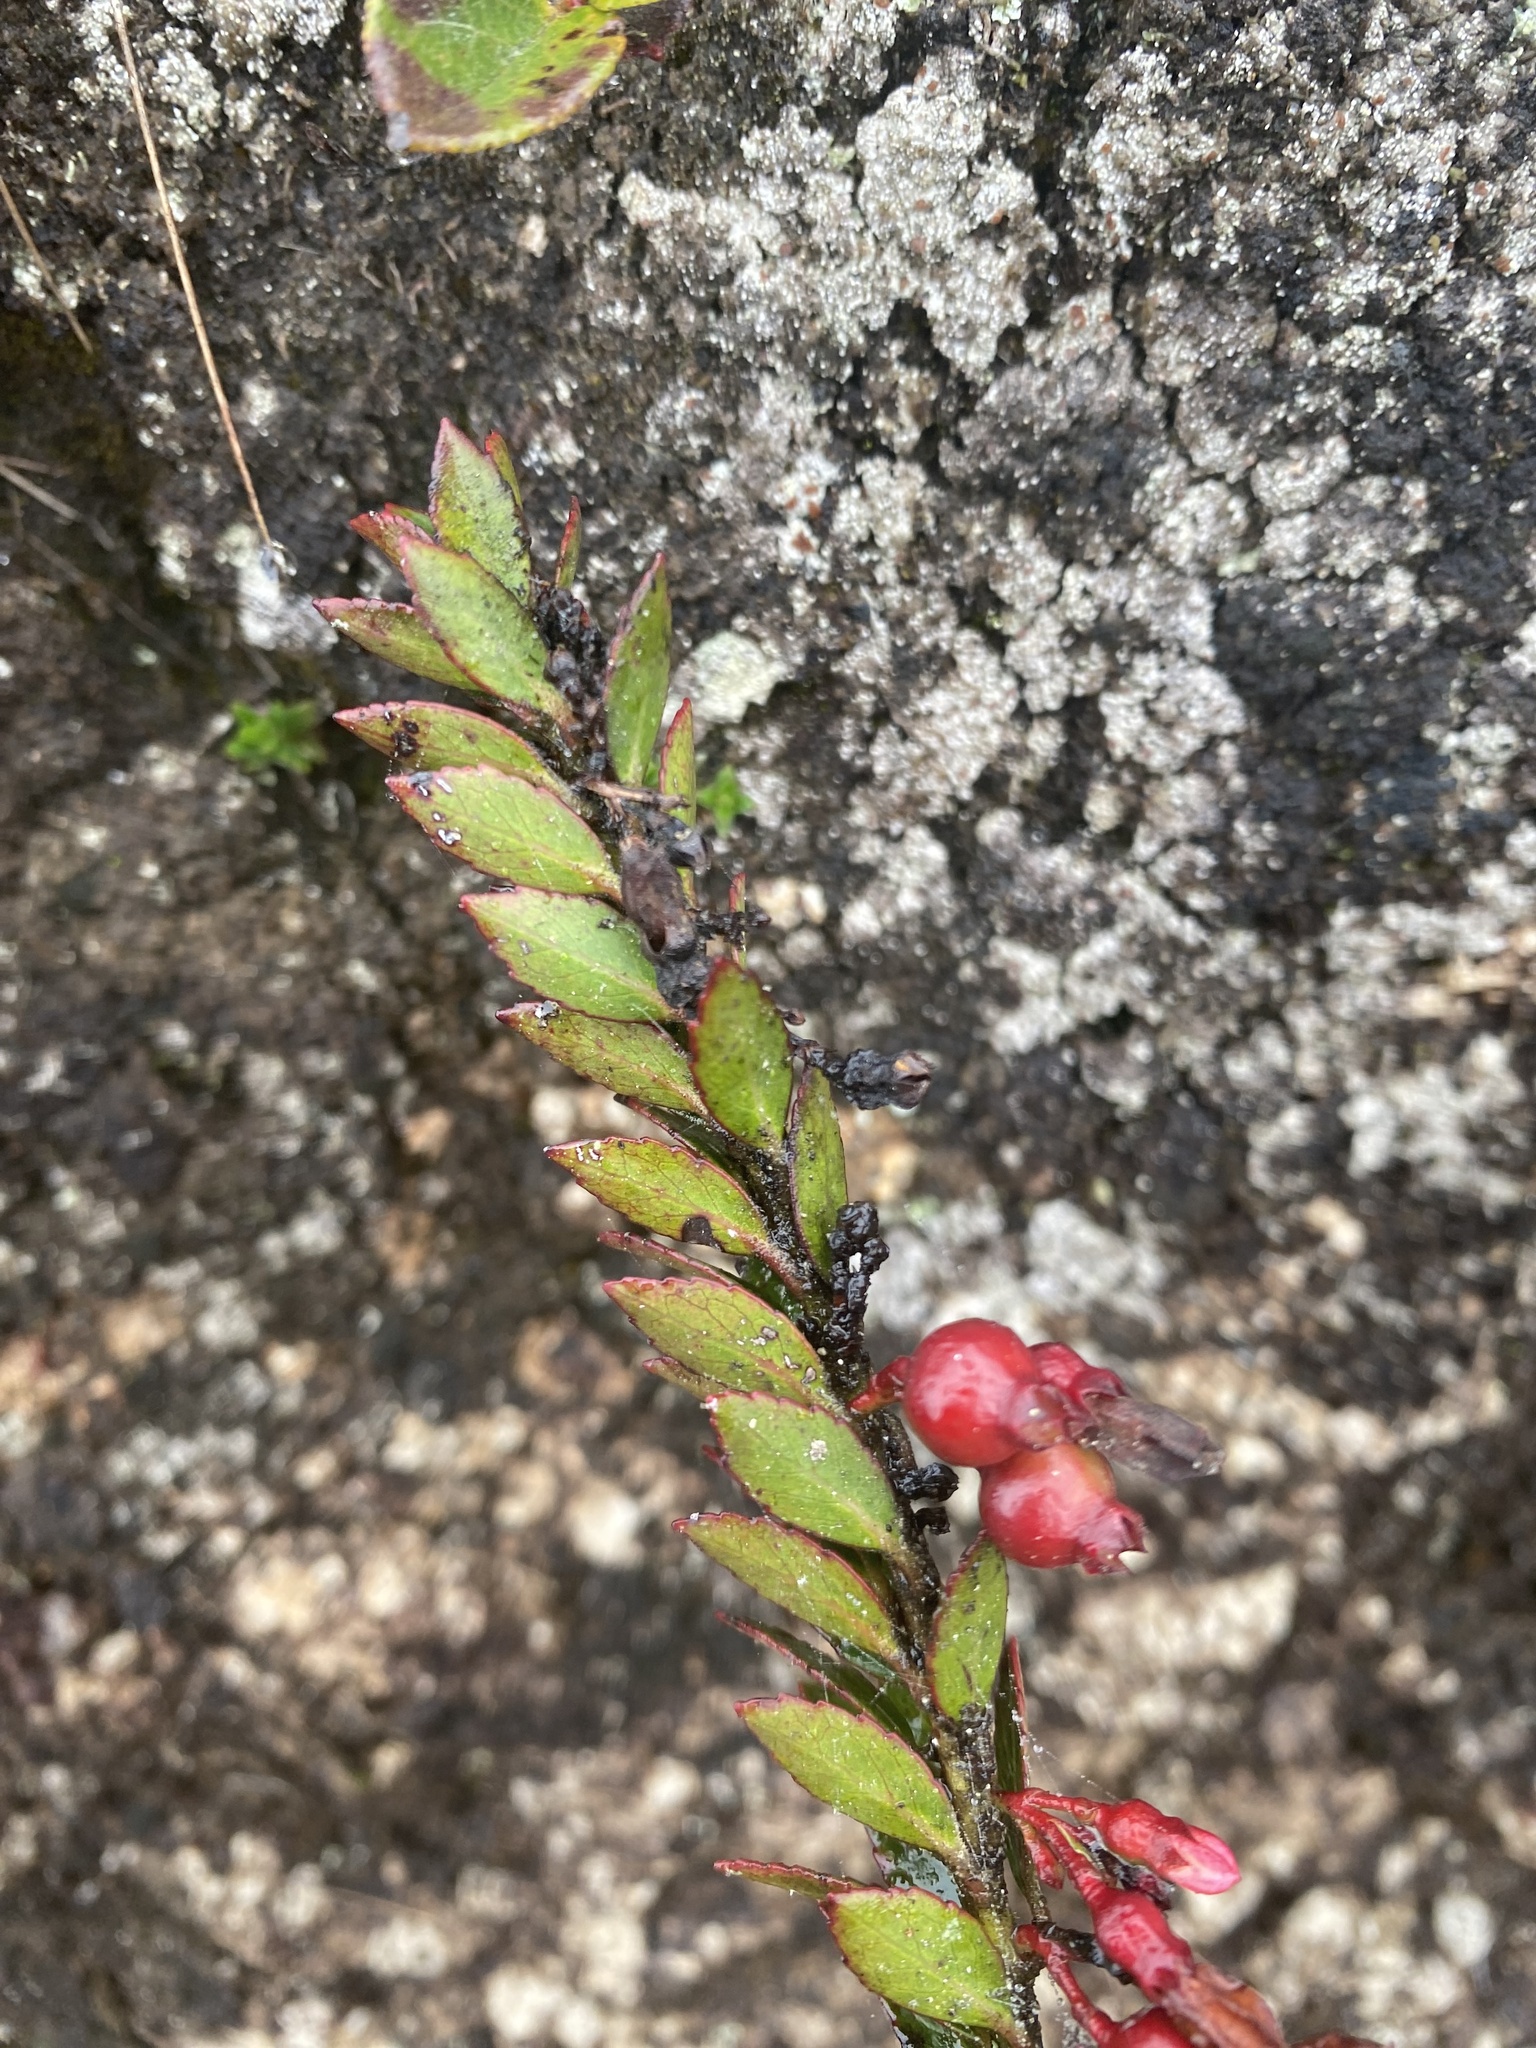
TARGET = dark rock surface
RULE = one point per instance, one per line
(1094, 455)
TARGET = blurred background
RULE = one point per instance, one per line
(1092, 452)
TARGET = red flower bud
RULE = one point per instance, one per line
(1216, 2011)
(1183, 1854)
(1136, 1832)
(1143, 2030)
(1134, 1932)
(972, 1395)
(1058, 1507)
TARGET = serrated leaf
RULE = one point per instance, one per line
(507, 827)
(678, 767)
(638, 1060)
(808, 1469)
(475, 513)
(968, 1630)
(789, 1877)
(422, 736)
(394, 632)
(665, 1187)
(817, 1168)
(921, 1953)
(489, 634)
(741, 1056)
(727, 1334)
(854, 1765)
(573, 950)
(477, 74)
(639, 669)
(568, 561)
(810, 1583)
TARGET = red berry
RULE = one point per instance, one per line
(972, 1396)
(1058, 1507)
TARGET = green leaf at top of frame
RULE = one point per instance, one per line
(853, 1764)
(475, 513)
(509, 828)
(727, 1334)
(395, 633)
(678, 774)
(919, 1952)
(459, 75)
(808, 1469)
(488, 632)
(639, 670)
(423, 736)
(818, 1170)
(814, 1585)
(574, 950)
(967, 1639)
(667, 1188)
(638, 1060)
(741, 1056)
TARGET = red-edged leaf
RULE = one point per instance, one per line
(789, 1877)
(668, 1188)
(813, 1584)
(727, 1334)
(421, 736)
(394, 632)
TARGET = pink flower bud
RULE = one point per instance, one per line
(1178, 1851)
(1058, 1507)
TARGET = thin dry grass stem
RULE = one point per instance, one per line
(189, 293)
(43, 265)
(12, 474)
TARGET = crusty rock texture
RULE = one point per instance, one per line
(1093, 444)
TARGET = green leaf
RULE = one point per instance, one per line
(727, 1334)
(476, 74)
(474, 511)
(788, 1877)
(741, 1056)
(724, 799)
(568, 560)
(638, 1060)
(653, 1248)
(385, 530)
(814, 1585)
(677, 764)
(857, 1767)
(817, 1169)
(639, 668)
(809, 1469)
(1011, 1724)
(870, 1685)
(275, 736)
(490, 635)
(394, 632)
(968, 1631)
(913, 2031)
(507, 827)
(664, 1187)
(418, 736)
(919, 1952)
(573, 950)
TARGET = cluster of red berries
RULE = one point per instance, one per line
(1037, 1418)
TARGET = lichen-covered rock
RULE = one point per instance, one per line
(1092, 447)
